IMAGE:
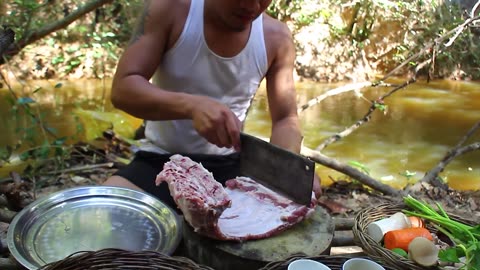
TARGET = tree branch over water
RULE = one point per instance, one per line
(452, 154)
(431, 48)
(334, 92)
(375, 105)
(350, 171)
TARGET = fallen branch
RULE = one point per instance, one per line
(84, 168)
(333, 92)
(355, 174)
(3, 201)
(7, 216)
(362, 121)
(16, 193)
(350, 171)
(464, 25)
(7, 37)
(3, 246)
(8, 264)
(452, 154)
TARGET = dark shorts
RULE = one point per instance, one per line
(145, 166)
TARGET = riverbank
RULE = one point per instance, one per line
(345, 43)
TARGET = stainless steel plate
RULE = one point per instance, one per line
(90, 219)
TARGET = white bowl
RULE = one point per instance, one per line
(361, 264)
(307, 264)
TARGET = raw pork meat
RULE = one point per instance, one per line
(201, 198)
(245, 210)
(258, 212)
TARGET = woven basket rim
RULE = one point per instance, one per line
(375, 249)
(334, 262)
(111, 259)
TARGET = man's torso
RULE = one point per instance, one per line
(226, 68)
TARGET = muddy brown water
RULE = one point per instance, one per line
(421, 124)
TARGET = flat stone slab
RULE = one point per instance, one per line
(310, 237)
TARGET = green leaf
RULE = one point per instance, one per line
(60, 141)
(400, 252)
(6, 152)
(359, 166)
(109, 34)
(37, 89)
(450, 255)
(25, 155)
(52, 130)
(43, 151)
(57, 60)
(474, 260)
(380, 106)
(25, 100)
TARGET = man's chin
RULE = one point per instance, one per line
(239, 27)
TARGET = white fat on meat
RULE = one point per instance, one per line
(195, 191)
(244, 210)
(258, 212)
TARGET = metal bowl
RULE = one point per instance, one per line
(91, 219)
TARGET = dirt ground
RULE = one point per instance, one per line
(91, 164)
(88, 165)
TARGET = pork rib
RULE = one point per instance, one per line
(258, 212)
(244, 210)
(195, 191)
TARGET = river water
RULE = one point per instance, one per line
(421, 123)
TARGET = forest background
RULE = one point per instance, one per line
(336, 40)
(358, 42)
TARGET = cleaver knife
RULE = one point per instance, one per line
(285, 172)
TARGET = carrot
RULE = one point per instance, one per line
(401, 238)
(416, 221)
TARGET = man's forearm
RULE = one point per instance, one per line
(286, 134)
(138, 97)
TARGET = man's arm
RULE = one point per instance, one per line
(133, 93)
(282, 99)
(131, 90)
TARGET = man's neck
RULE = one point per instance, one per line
(221, 38)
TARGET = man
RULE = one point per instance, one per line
(207, 59)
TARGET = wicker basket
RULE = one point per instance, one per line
(374, 249)
(116, 259)
(335, 262)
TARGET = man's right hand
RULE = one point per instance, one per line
(216, 122)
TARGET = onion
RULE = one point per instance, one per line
(423, 251)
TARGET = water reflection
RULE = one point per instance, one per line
(422, 123)
(56, 103)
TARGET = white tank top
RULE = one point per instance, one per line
(191, 67)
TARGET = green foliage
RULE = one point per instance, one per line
(464, 51)
(465, 237)
(107, 27)
(36, 140)
(296, 11)
(362, 167)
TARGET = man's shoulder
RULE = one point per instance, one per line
(275, 30)
(158, 9)
(278, 38)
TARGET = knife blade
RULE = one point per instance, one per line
(283, 171)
